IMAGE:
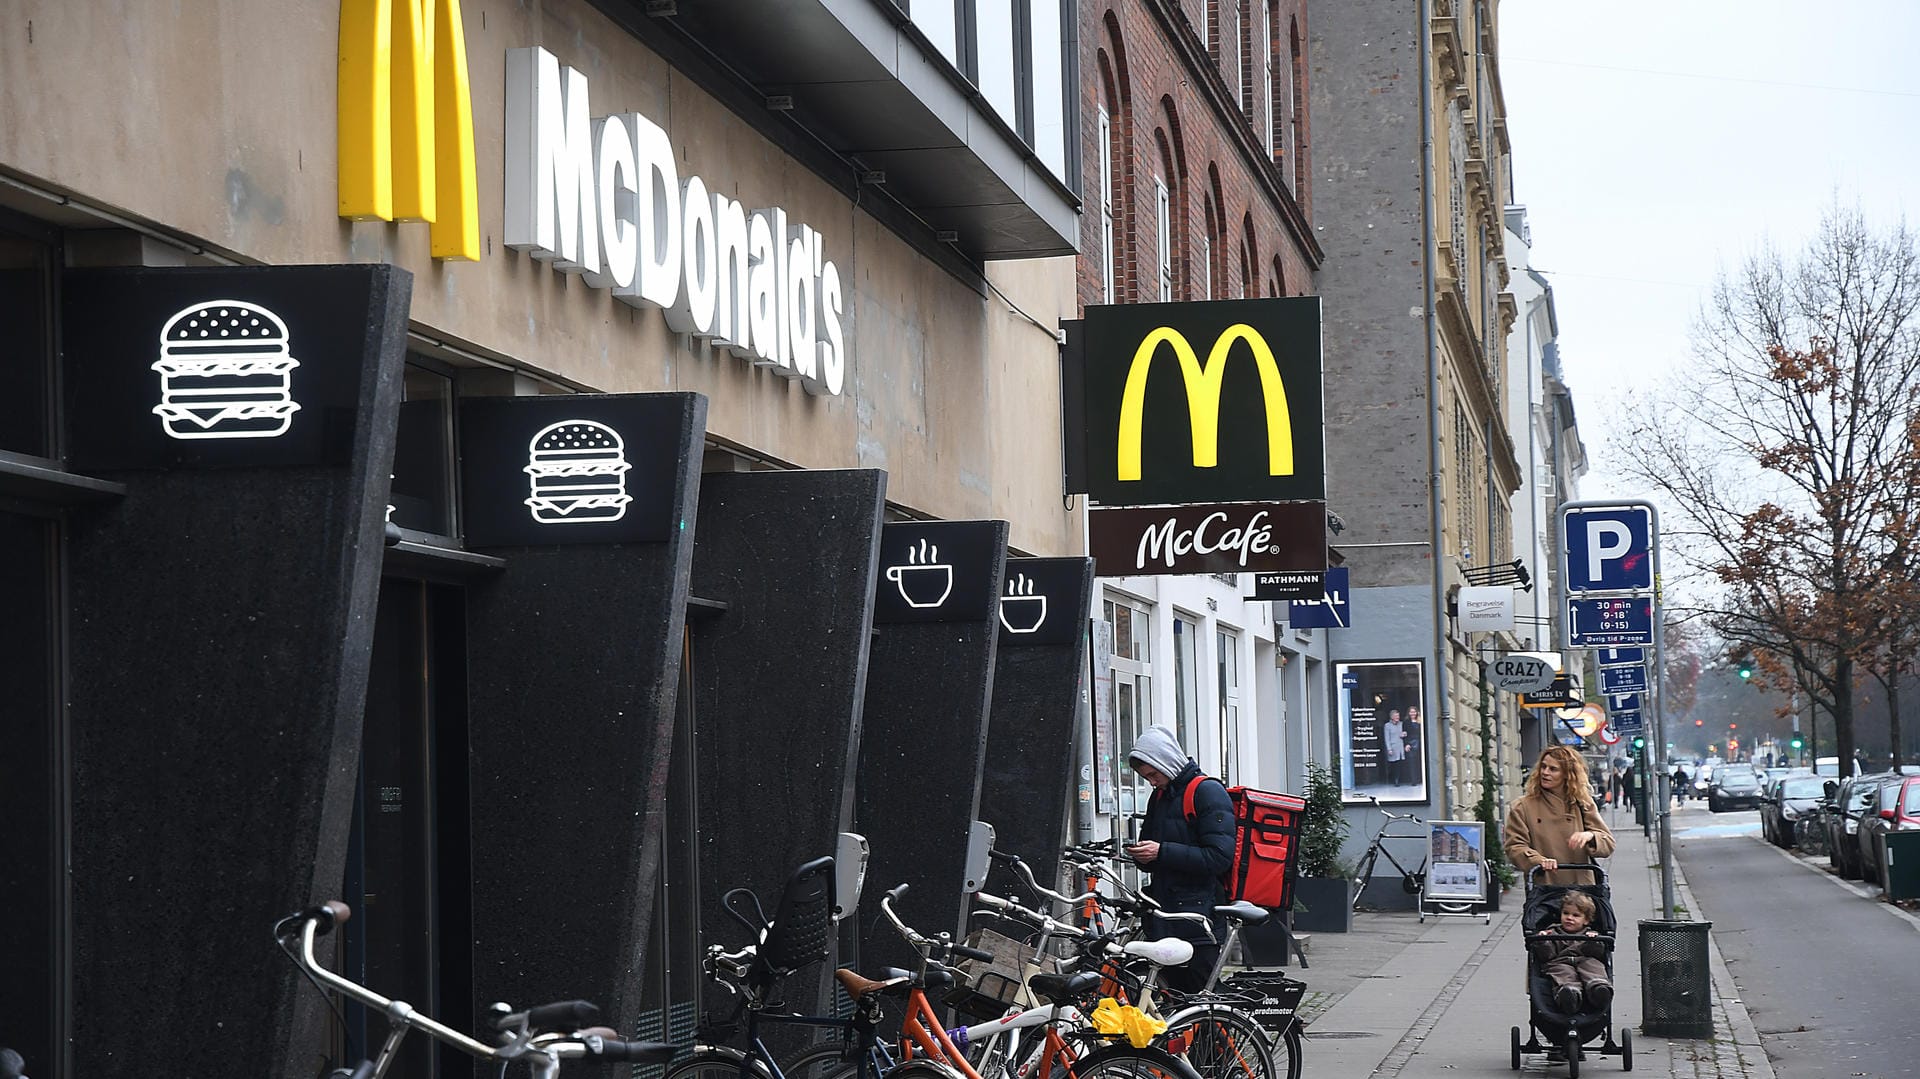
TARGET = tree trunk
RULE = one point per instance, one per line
(1843, 715)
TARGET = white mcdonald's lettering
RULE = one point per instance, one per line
(1166, 541)
(406, 120)
(604, 198)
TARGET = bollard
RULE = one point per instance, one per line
(1676, 980)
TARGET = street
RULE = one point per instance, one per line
(1826, 972)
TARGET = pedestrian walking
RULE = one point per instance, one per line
(1556, 820)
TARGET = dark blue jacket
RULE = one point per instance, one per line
(1193, 856)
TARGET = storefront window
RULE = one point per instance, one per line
(1186, 690)
(1227, 652)
(423, 488)
(26, 348)
(1130, 694)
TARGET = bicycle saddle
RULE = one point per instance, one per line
(1058, 988)
(858, 986)
(1243, 912)
(1168, 952)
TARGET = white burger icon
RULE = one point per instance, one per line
(578, 471)
(224, 372)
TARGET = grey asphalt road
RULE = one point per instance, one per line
(1828, 974)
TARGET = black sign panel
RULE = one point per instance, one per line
(575, 468)
(1043, 601)
(1217, 401)
(1234, 538)
(1306, 586)
(938, 571)
(1563, 693)
(225, 367)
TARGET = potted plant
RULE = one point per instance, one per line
(1323, 893)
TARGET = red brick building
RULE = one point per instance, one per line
(1196, 142)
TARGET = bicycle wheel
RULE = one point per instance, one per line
(1290, 1050)
(1222, 1043)
(1363, 873)
(829, 1060)
(719, 1062)
(1126, 1062)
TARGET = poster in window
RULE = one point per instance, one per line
(1382, 730)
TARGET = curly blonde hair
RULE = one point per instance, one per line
(1573, 775)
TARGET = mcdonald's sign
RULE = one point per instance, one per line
(1216, 401)
(406, 120)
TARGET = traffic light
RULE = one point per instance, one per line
(1699, 722)
(1743, 664)
(1795, 741)
(1639, 743)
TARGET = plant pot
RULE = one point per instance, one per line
(1328, 902)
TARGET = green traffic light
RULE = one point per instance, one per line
(1795, 743)
(1639, 743)
(1746, 673)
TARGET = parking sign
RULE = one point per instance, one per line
(1608, 548)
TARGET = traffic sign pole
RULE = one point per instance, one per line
(1610, 561)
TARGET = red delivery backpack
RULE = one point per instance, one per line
(1266, 832)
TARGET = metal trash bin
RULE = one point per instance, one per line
(1900, 855)
(1676, 979)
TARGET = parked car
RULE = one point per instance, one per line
(1786, 802)
(1895, 805)
(1849, 798)
(1733, 788)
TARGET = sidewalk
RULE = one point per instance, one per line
(1398, 997)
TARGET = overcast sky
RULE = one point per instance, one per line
(1656, 143)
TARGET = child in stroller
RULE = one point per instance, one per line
(1569, 931)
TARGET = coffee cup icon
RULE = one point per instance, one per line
(1023, 614)
(922, 585)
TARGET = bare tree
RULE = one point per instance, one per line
(1787, 458)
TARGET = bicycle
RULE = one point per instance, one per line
(924, 1040)
(538, 1037)
(1216, 1030)
(1411, 880)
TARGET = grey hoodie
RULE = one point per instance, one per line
(1157, 746)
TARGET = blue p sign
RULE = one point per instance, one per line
(1609, 549)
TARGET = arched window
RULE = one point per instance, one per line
(1109, 251)
(1209, 243)
(1163, 220)
(1277, 280)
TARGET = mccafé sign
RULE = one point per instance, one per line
(604, 198)
(1238, 537)
(1217, 401)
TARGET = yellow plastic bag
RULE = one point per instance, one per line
(1112, 1017)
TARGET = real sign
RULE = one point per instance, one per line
(1608, 549)
(1234, 538)
(1214, 401)
(1623, 679)
(604, 198)
(1523, 673)
(1595, 622)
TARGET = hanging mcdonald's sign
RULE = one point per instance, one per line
(1215, 401)
(406, 120)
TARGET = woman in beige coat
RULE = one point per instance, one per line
(1556, 820)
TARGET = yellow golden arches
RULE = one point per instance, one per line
(1203, 383)
(406, 120)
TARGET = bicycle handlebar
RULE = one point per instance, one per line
(1390, 814)
(537, 1031)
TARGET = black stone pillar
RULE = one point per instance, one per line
(574, 662)
(218, 642)
(924, 732)
(1027, 791)
(781, 673)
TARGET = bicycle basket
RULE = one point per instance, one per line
(988, 988)
(1272, 998)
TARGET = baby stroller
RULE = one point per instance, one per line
(1554, 1032)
